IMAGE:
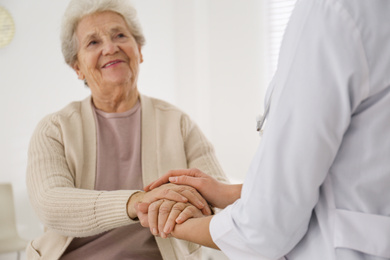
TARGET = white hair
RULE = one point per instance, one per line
(78, 9)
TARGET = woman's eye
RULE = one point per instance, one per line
(91, 43)
(121, 35)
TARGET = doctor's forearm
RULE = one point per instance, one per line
(195, 230)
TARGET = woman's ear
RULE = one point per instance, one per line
(76, 68)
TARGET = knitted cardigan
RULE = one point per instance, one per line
(62, 168)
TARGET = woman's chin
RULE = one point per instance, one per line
(117, 79)
(117, 82)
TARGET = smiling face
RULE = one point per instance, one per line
(108, 56)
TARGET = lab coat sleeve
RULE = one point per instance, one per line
(321, 79)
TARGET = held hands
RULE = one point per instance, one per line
(162, 213)
(218, 194)
(161, 216)
(177, 193)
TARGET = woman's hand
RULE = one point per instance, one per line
(177, 193)
(161, 216)
(218, 194)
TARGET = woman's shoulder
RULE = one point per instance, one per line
(72, 111)
(159, 104)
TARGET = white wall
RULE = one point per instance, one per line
(204, 56)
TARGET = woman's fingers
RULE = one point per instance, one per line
(169, 193)
(171, 221)
(195, 182)
(142, 213)
(153, 216)
(198, 201)
(180, 213)
(165, 210)
(165, 178)
(193, 178)
(163, 215)
(179, 193)
(189, 212)
(142, 207)
(157, 183)
(158, 211)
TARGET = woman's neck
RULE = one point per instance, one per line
(116, 103)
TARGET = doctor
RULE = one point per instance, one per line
(319, 184)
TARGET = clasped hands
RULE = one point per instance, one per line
(178, 196)
(161, 208)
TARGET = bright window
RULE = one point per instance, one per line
(277, 14)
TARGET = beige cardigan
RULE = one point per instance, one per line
(62, 166)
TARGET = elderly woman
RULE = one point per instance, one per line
(88, 162)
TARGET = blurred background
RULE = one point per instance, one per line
(211, 58)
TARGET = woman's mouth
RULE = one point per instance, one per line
(111, 63)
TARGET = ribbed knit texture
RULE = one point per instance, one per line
(62, 167)
(71, 212)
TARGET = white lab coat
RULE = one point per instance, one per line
(319, 184)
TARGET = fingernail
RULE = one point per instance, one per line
(173, 179)
(167, 230)
(155, 231)
(179, 219)
(163, 235)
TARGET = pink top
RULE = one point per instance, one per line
(118, 167)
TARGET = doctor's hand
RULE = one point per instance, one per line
(172, 192)
(218, 194)
(161, 216)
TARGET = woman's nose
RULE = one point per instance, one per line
(109, 47)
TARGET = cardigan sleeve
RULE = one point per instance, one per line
(61, 206)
